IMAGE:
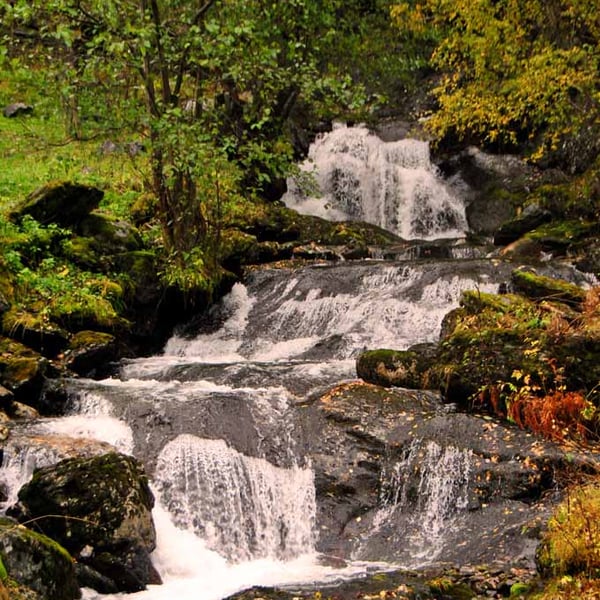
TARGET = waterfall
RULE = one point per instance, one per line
(423, 494)
(245, 508)
(390, 184)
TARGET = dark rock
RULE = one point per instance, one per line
(38, 562)
(126, 564)
(533, 216)
(42, 336)
(540, 287)
(22, 371)
(17, 109)
(106, 504)
(403, 368)
(89, 351)
(377, 454)
(90, 578)
(62, 203)
(6, 399)
(54, 397)
(109, 235)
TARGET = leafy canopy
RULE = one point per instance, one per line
(513, 71)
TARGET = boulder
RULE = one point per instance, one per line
(532, 217)
(90, 350)
(402, 368)
(389, 462)
(17, 109)
(37, 562)
(106, 506)
(22, 371)
(63, 203)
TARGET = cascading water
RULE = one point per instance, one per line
(390, 184)
(422, 496)
(215, 417)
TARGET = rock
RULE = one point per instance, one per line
(380, 457)
(38, 562)
(23, 412)
(6, 399)
(36, 332)
(22, 371)
(106, 504)
(63, 203)
(523, 248)
(533, 216)
(110, 236)
(402, 368)
(17, 109)
(89, 351)
(541, 287)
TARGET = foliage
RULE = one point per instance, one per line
(48, 286)
(572, 542)
(201, 82)
(512, 70)
(527, 363)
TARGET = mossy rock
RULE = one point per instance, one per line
(63, 203)
(109, 235)
(35, 331)
(541, 287)
(90, 350)
(22, 370)
(37, 562)
(400, 368)
(559, 236)
(105, 503)
(83, 252)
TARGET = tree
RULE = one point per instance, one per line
(513, 71)
(212, 86)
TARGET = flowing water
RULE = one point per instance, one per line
(356, 176)
(213, 418)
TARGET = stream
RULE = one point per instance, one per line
(215, 418)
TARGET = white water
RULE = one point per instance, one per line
(391, 184)
(225, 520)
(426, 492)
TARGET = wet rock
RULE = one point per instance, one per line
(540, 287)
(89, 351)
(106, 504)
(22, 371)
(42, 336)
(385, 458)
(63, 203)
(17, 109)
(402, 368)
(38, 562)
(532, 216)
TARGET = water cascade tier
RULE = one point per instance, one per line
(264, 452)
(358, 177)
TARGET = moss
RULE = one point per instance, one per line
(35, 560)
(540, 287)
(450, 589)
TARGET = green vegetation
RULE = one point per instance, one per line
(513, 71)
(570, 551)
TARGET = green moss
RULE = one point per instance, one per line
(540, 287)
